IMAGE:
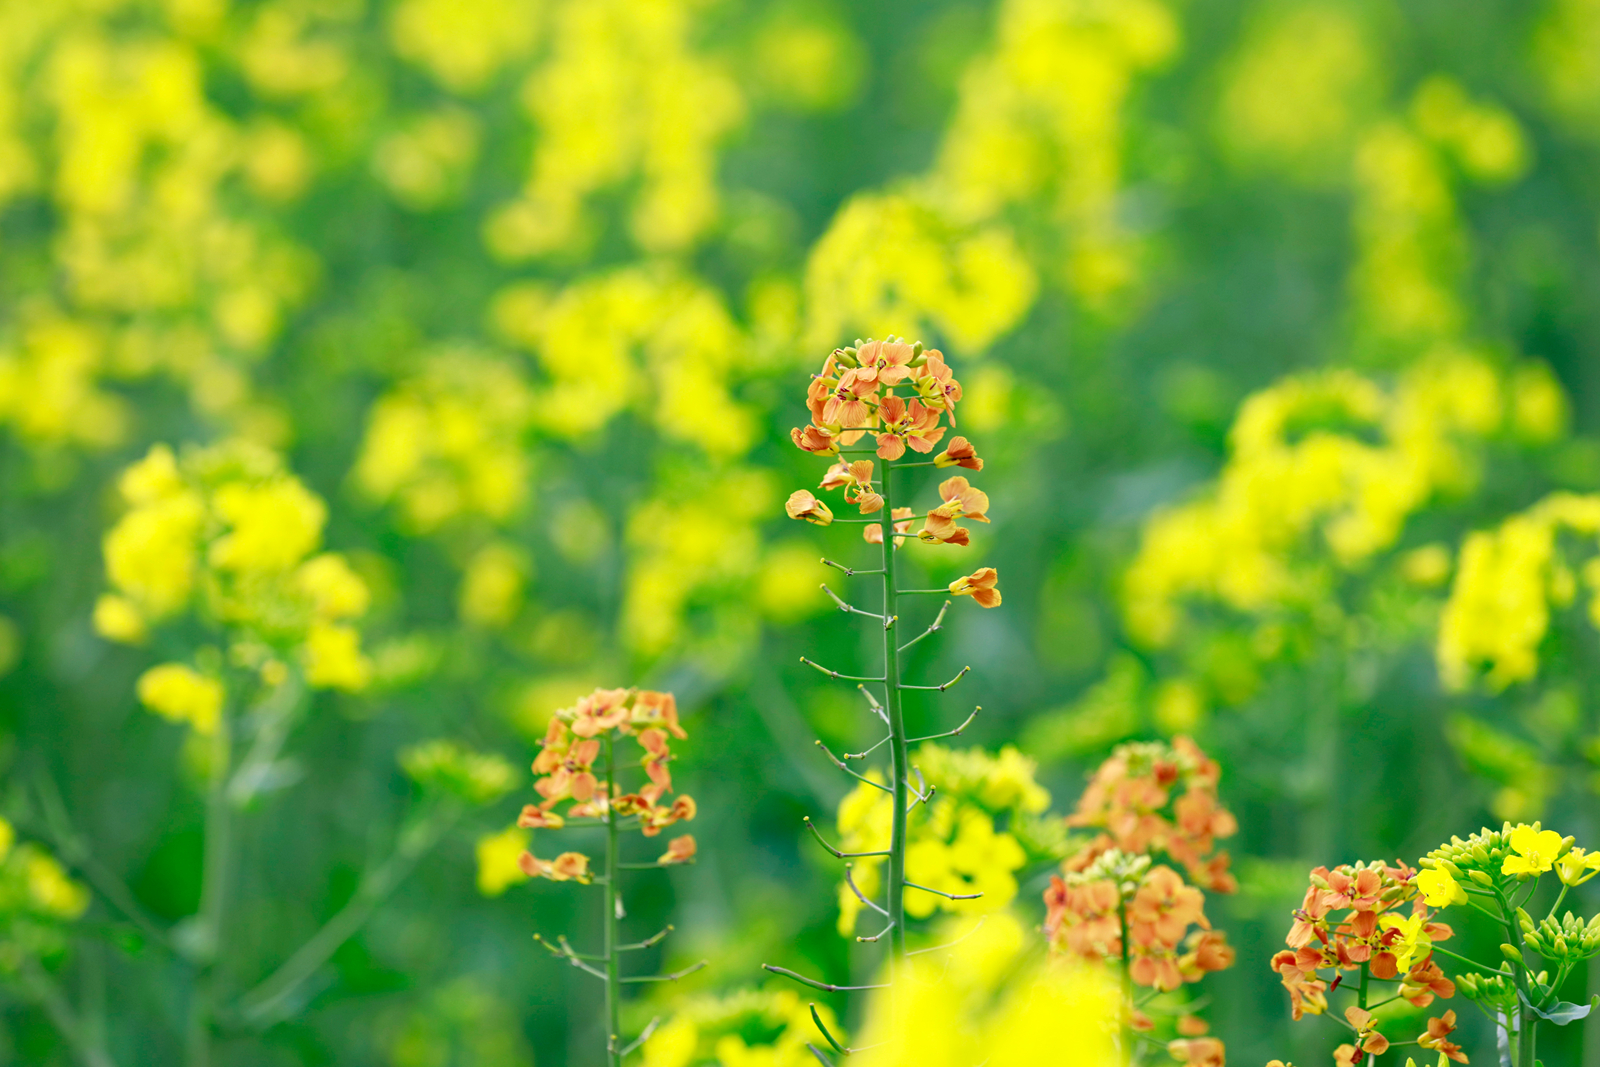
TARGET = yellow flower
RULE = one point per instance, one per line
(335, 591)
(334, 659)
(151, 553)
(492, 588)
(498, 869)
(182, 694)
(7, 837)
(274, 526)
(1439, 889)
(1414, 938)
(1536, 850)
(50, 889)
(1577, 867)
(116, 618)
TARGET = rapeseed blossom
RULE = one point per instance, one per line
(228, 535)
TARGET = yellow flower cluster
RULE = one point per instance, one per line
(650, 340)
(976, 1003)
(623, 96)
(230, 535)
(1564, 47)
(745, 1028)
(465, 43)
(1507, 580)
(955, 848)
(1326, 468)
(1037, 127)
(36, 897)
(447, 444)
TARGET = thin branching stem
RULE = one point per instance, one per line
(947, 733)
(653, 939)
(879, 935)
(840, 1049)
(941, 688)
(817, 1052)
(673, 977)
(850, 571)
(843, 606)
(938, 624)
(951, 944)
(836, 674)
(942, 893)
(864, 753)
(839, 763)
(644, 1035)
(840, 855)
(849, 880)
(814, 984)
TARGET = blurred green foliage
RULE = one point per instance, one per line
(1262, 309)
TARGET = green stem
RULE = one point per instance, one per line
(1361, 993)
(213, 895)
(1525, 1017)
(85, 1044)
(899, 767)
(1559, 898)
(613, 976)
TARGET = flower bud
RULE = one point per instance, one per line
(1512, 953)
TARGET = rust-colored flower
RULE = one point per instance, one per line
(684, 808)
(856, 481)
(802, 505)
(817, 439)
(961, 501)
(980, 586)
(1437, 1037)
(885, 362)
(902, 525)
(604, 709)
(1163, 908)
(937, 386)
(657, 709)
(657, 756)
(1198, 1051)
(846, 405)
(1425, 981)
(959, 453)
(906, 424)
(567, 867)
(535, 817)
(1308, 994)
(1368, 1037)
(680, 849)
(1208, 951)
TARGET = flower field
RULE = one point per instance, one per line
(766, 533)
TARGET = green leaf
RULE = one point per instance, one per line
(1564, 1012)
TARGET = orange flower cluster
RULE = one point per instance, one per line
(1089, 912)
(855, 395)
(565, 772)
(1153, 797)
(1352, 919)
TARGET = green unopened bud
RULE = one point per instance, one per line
(1524, 919)
(1480, 878)
(916, 349)
(1512, 953)
(1480, 854)
(1560, 947)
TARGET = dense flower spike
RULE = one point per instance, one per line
(578, 764)
(1113, 904)
(919, 842)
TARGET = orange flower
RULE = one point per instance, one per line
(817, 439)
(1425, 981)
(684, 809)
(1439, 1031)
(980, 586)
(1198, 1052)
(679, 850)
(1193, 1026)
(902, 525)
(885, 361)
(1367, 1035)
(937, 386)
(536, 817)
(657, 755)
(802, 505)
(959, 453)
(1155, 967)
(1163, 908)
(1307, 993)
(845, 406)
(961, 501)
(1082, 918)
(600, 711)
(567, 867)
(573, 778)
(1208, 951)
(903, 425)
(856, 480)
(659, 709)
(553, 749)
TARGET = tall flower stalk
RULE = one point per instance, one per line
(577, 766)
(904, 397)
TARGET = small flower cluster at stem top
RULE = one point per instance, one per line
(1361, 923)
(855, 395)
(1113, 903)
(565, 770)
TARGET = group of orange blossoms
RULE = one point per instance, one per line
(1352, 918)
(565, 772)
(1113, 902)
(854, 396)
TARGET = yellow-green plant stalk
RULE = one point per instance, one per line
(905, 398)
(577, 767)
